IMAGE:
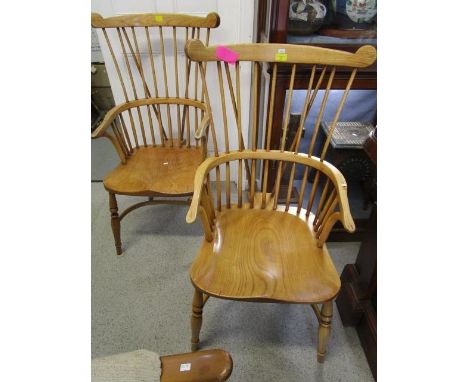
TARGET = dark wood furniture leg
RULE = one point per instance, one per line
(357, 301)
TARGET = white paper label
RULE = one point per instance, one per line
(185, 366)
(281, 50)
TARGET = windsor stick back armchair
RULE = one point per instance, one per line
(256, 249)
(153, 130)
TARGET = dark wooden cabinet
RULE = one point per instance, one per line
(272, 26)
(357, 300)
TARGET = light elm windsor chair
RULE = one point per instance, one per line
(256, 249)
(153, 130)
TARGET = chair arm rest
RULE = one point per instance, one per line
(201, 131)
(341, 188)
(343, 215)
(102, 131)
(106, 122)
(345, 212)
(199, 182)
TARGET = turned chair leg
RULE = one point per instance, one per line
(324, 329)
(115, 222)
(197, 312)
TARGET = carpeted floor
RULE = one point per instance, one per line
(142, 300)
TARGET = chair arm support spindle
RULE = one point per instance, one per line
(343, 215)
(204, 124)
(199, 183)
(206, 225)
(345, 212)
(117, 147)
(102, 131)
(110, 116)
(322, 235)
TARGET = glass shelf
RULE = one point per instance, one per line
(318, 39)
(332, 22)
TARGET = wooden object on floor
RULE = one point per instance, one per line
(357, 301)
(258, 250)
(205, 366)
(154, 130)
(146, 366)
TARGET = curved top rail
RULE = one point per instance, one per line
(286, 53)
(211, 20)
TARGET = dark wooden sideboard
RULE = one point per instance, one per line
(357, 301)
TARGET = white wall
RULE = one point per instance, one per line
(237, 20)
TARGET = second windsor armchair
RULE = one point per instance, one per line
(153, 131)
(256, 249)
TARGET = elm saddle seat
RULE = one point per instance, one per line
(159, 170)
(277, 260)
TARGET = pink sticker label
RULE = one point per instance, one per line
(226, 54)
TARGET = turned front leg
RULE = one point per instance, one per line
(115, 222)
(197, 312)
(326, 315)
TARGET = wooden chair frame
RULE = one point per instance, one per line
(320, 221)
(327, 201)
(138, 122)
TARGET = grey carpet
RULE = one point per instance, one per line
(142, 300)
